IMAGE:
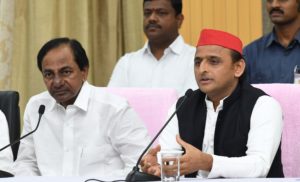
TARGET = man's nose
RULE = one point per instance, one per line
(274, 4)
(57, 81)
(203, 66)
(153, 17)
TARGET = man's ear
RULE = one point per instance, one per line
(239, 68)
(180, 19)
(84, 73)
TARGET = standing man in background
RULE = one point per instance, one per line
(273, 57)
(165, 61)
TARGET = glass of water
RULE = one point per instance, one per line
(170, 165)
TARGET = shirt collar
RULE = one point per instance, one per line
(273, 38)
(176, 46)
(52, 102)
(81, 100)
(210, 105)
(297, 37)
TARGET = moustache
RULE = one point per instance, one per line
(151, 25)
(276, 10)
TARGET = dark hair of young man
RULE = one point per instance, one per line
(176, 4)
(236, 56)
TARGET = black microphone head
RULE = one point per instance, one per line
(188, 93)
(41, 109)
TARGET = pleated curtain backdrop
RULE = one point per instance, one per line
(6, 42)
(106, 28)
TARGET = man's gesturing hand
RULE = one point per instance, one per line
(193, 159)
(149, 162)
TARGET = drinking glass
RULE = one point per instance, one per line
(170, 165)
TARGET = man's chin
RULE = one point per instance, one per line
(276, 21)
(66, 98)
(58, 100)
(204, 89)
(153, 35)
(280, 21)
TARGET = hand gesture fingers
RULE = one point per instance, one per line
(150, 159)
(193, 159)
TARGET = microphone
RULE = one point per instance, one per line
(41, 112)
(135, 174)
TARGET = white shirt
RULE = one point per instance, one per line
(263, 141)
(100, 135)
(141, 69)
(6, 156)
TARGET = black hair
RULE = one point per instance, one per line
(176, 4)
(236, 56)
(78, 51)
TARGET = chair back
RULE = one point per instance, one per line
(9, 105)
(288, 95)
(151, 104)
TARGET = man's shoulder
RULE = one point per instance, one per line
(269, 103)
(180, 44)
(193, 97)
(261, 41)
(189, 48)
(136, 53)
(106, 96)
(43, 96)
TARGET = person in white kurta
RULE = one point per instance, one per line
(266, 125)
(227, 128)
(141, 69)
(6, 156)
(97, 135)
(165, 61)
(84, 130)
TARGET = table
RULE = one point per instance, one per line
(82, 179)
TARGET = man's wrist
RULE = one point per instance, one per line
(207, 162)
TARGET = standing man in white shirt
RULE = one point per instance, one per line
(6, 156)
(227, 127)
(84, 130)
(165, 61)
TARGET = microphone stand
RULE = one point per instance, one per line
(135, 174)
(4, 174)
(41, 111)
